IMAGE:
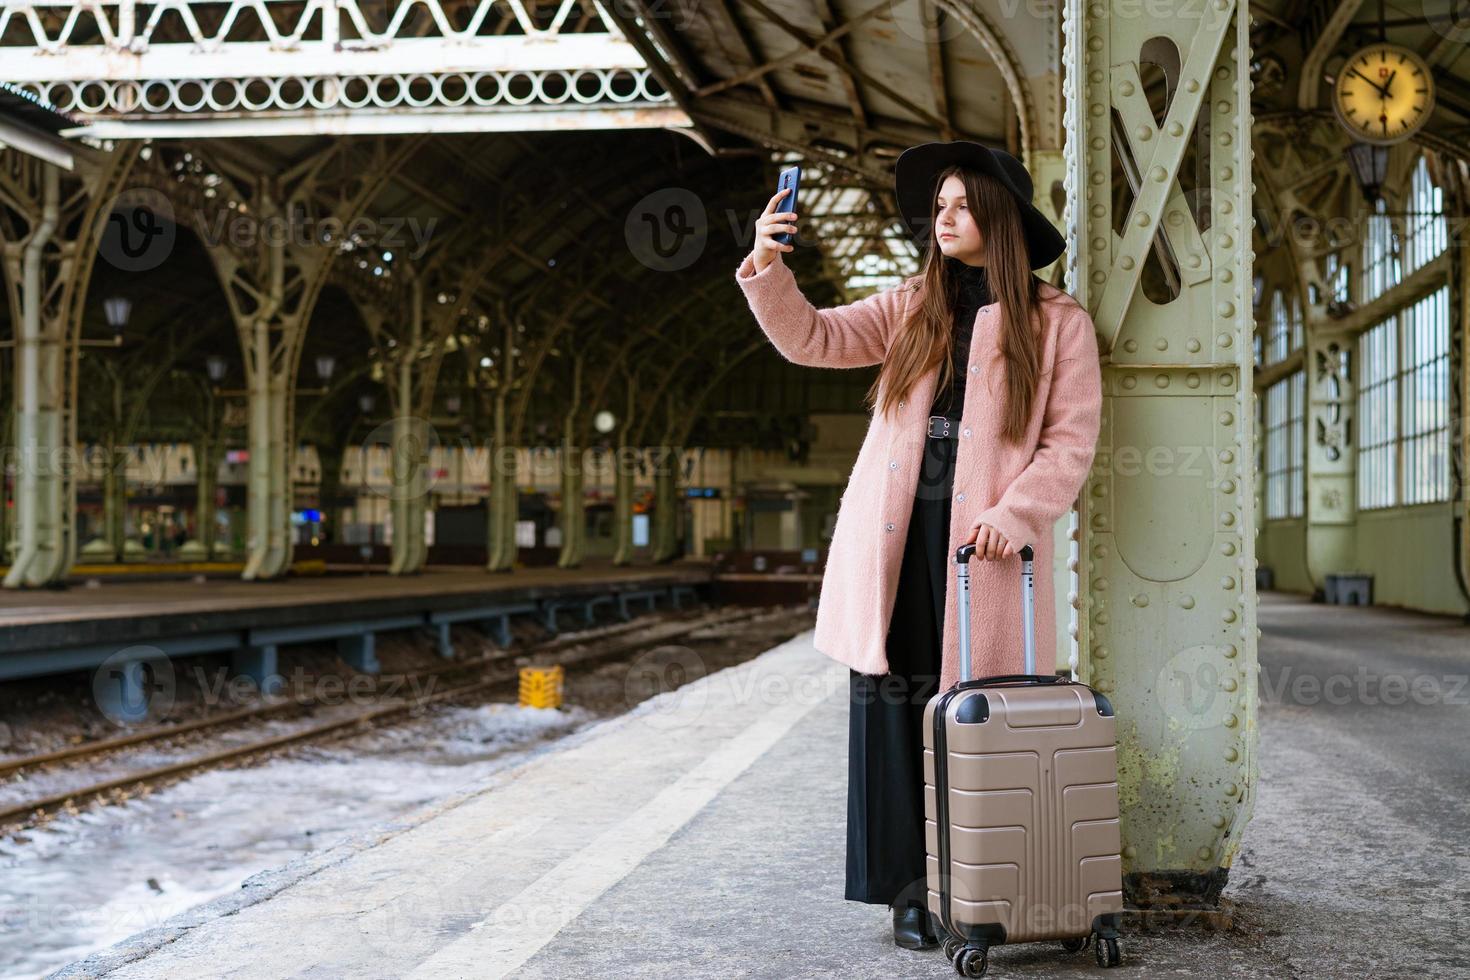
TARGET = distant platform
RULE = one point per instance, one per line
(48, 631)
(166, 568)
(703, 834)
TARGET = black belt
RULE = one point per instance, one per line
(941, 427)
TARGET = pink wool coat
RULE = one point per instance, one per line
(1022, 490)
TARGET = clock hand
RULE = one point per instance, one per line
(1388, 82)
(1382, 91)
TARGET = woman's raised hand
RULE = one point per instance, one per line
(772, 222)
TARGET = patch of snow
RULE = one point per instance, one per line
(87, 880)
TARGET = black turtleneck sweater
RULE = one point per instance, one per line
(974, 292)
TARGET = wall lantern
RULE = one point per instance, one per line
(1369, 164)
(117, 309)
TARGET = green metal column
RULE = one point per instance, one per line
(115, 504)
(43, 548)
(1458, 206)
(623, 490)
(201, 547)
(270, 328)
(48, 271)
(573, 517)
(410, 448)
(1168, 627)
(409, 493)
(666, 504)
(270, 385)
(624, 472)
(1285, 170)
(503, 500)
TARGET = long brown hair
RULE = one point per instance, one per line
(926, 338)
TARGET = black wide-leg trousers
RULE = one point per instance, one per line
(885, 738)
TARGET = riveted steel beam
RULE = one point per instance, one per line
(1167, 621)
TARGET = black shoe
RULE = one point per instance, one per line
(911, 928)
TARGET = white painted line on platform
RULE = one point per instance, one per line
(520, 928)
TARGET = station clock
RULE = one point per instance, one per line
(1383, 94)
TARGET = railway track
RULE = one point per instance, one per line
(496, 671)
(274, 706)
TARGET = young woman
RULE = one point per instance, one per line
(986, 412)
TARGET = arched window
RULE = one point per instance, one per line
(1403, 392)
(1295, 315)
(1336, 281)
(1382, 269)
(1403, 407)
(1283, 327)
(1378, 353)
(1277, 338)
(1286, 431)
(1426, 233)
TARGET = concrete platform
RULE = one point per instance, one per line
(116, 603)
(702, 834)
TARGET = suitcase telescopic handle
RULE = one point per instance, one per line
(1024, 678)
(962, 558)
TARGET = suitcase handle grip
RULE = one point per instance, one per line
(1027, 678)
(965, 551)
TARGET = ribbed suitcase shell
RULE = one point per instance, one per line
(1032, 812)
(1020, 803)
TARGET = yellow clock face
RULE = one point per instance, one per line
(1384, 93)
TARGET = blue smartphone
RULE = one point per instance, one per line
(790, 180)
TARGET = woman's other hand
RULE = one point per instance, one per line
(770, 223)
(990, 544)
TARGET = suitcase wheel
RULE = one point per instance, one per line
(1076, 945)
(970, 961)
(951, 946)
(1108, 953)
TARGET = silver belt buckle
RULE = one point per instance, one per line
(939, 427)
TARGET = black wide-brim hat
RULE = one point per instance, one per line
(914, 183)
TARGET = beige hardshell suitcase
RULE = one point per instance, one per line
(1020, 806)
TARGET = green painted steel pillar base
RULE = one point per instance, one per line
(98, 551)
(193, 550)
(411, 442)
(1174, 889)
